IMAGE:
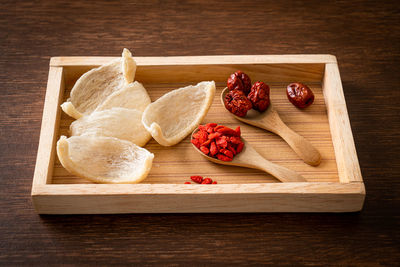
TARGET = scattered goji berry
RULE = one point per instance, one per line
(197, 179)
(215, 182)
(188, 183)
(207, 181)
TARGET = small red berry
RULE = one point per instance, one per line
(188, 183)
(207, 181)
(215, 182)
(197, 179)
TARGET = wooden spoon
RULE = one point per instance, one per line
(270, 121)
(250, 158)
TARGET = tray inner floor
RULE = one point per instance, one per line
(175, 165)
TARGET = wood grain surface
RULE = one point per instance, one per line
(364, 35)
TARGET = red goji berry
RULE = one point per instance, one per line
(213, 149)
(228, 131)
(226, 152)
(239, 148)
(223, 157)
(237, 130)
(219, 127)
(215, 182)
(235, 140)
(197, 179)
(203, 136)
(221, 141)
(188, 183)
(205, 150)
(232, 150)
(202, 128)
(211, 125)
(214, 135)
(206, 143)
(196, 142)
(207, 181)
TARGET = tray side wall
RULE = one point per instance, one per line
(50, 123)
(342, 137)
(289, 197)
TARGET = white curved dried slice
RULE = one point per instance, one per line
(104, 159)
(93, 87)
(133, 96)
(176, 114)
(117, 122)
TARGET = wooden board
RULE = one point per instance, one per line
(173, 166)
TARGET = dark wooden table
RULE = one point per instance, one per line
(365, 37)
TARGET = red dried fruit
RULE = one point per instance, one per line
(226, 152)
(207, 181)
(223, 157)
(196, 142)
(211, 124)
(202, 128)
(197, 179)
(214, 135)
(221, 141)
(232, 150)
(239, 81)
(206, 143)
(228, 131)
(259, 96)
(237, 103)
(204, 149)
(213, 149)
(300, 95)
(235, 140)
(239, 148)
(215, 182)
(237, 130)
(219, 127)
(188, 183)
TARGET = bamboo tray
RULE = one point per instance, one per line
(334, 186)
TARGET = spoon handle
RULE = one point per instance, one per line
(281, 173)
(252, 159)
(306, 151)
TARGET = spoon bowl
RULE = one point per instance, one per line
(270, 120)
(250, 158)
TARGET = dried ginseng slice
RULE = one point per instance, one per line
(93, 87)
(117, 122)
(176, 114)
(133, 96)
(104, 159)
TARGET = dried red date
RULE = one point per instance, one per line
(300, 95)
(259, 96)
(236, 102)
(239, 81)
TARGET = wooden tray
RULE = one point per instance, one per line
(334, 186)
